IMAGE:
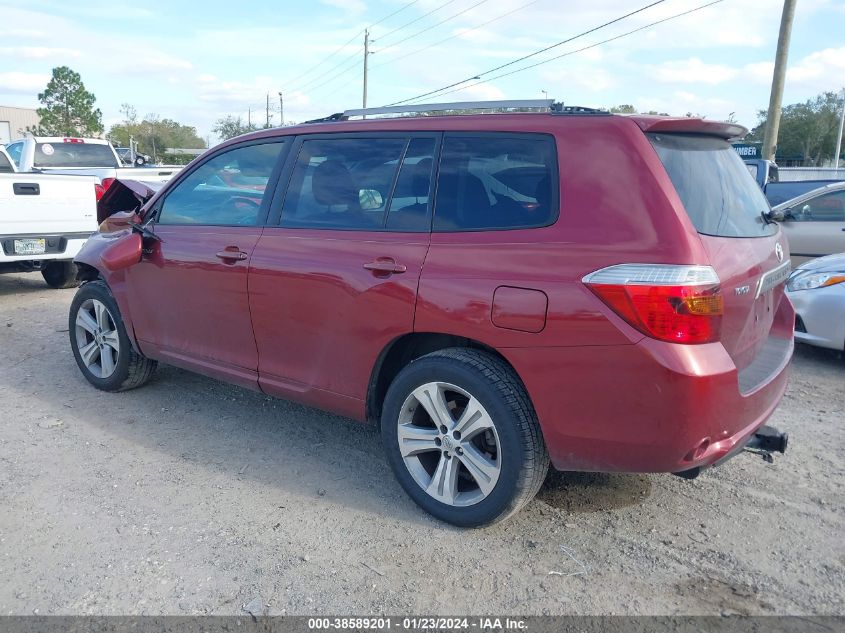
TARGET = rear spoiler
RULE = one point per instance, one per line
(690, 125)
(126, 195)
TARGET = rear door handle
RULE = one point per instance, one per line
(232, 253)
(385, 266)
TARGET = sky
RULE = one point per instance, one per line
(196, 62)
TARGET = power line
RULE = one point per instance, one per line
(584, 48)
(534, 54)
(433, 26)
(451, 37)
(325, 59)
(348, 67)
(348, 42)
(415, 20)
(331, 71)
(399, 10)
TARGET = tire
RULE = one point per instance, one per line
(477, 477)
(97, 335)
(140, 161)
(60, 274)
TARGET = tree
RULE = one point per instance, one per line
(230, 127)
(68, 108)
(154, 134)
(807, 130)
(626, 108)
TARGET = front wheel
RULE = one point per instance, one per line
(100, 344)
(60, 274)
(462, 437)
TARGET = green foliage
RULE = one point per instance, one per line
(230, 127)
(154, 135)
(627, 108)
(68, 109)
(807, 130)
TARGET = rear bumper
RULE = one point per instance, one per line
(59, 246)
(648, 407)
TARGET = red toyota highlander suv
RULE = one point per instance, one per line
(496, 291)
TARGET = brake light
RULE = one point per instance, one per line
(73, 140)
(679, 304)
(101, 187)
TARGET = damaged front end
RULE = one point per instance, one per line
(119, 241)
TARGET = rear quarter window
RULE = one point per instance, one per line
(720, 196)
(496, 182)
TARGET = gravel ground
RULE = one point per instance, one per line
(193, 497)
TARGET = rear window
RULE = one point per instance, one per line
(720, 196)
(74, 155)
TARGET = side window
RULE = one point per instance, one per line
(15, 150)
(5, 165)
(226, 190)
(409, 206)
(343, 183)
(829, 207)
(496, 181)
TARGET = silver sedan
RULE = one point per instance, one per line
(817, 290)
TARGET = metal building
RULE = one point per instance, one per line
(14, 121)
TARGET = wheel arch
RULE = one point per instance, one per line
(406, 348)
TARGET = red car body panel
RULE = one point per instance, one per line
(320, 318)
(303, 319)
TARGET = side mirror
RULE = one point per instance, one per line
(370, 199)
(125, 252)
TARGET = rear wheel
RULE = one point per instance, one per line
(60, 274)
(100, 344)
(462, 437)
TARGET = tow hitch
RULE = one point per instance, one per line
(767, 440)
(764, 442)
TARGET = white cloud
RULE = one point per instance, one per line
(38, 52)
(822, 67)
(23, 82)
(693, 71)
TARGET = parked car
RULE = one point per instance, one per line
(494, 291)
(814, 222)
(777, 189)
(79, 156)
(44, 221)
(128, 157)
(7, 165)
(817, 290)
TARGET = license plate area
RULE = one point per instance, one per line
(37, 246)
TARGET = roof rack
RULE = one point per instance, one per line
(464, 107)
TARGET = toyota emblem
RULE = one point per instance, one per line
(779, 252)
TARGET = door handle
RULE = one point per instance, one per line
(232, 252)
(385, 266)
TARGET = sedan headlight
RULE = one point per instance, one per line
(802, 280)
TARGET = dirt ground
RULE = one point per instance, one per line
(193, 497)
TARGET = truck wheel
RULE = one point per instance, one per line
(60, 274)
(100, 344)
(462, 437)
(140, 161)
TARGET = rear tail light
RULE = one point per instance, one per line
(680, 304)
(101, 187)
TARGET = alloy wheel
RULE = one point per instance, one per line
(449, 444)
(97, 338)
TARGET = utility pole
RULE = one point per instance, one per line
(281, 110)
(366, 57)
(770, 138)
(249, 117)
(839, 136)
(268, 111)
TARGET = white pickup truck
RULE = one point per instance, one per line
(44, 221)
(88, 156)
